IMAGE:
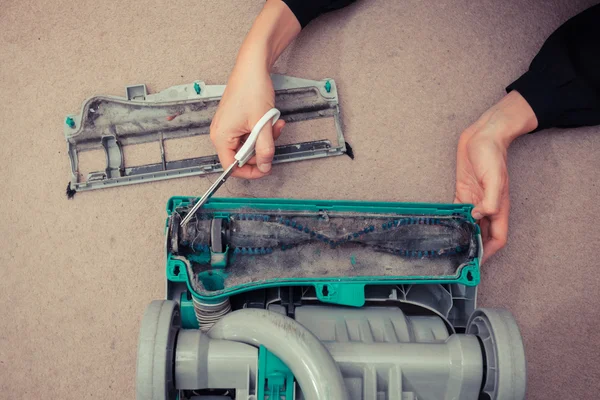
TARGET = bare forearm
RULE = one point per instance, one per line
(272, 31)
(508, 119)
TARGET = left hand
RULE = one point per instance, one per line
(481, 169)
(482, 180)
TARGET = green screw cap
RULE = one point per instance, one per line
(70, 122)
(197, 87)
(328, 86)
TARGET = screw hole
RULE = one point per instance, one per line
(325, 290)
(176, 270)
(469, 276)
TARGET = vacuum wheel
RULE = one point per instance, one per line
(505, 366)
(156, 351)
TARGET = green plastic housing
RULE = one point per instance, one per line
(347, 291)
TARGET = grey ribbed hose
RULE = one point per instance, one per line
(313, 367)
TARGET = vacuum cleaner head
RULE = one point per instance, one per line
(295, 299)
(235, 244)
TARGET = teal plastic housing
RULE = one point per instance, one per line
(275, 379)
(349, 291)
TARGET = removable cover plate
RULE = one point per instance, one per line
(112, 124)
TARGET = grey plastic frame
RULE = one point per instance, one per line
(298, 100)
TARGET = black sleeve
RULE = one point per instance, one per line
(562, 85)
(307, 10)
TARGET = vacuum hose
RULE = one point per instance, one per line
(313, 367)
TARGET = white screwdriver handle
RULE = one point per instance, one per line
(247, 150)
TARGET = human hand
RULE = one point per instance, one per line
(481, 169)
(482, 180)
(248, 96)
(249, 93)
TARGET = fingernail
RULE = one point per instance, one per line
(477, 215)
(264, 168)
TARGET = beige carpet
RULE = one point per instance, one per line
(76, 275)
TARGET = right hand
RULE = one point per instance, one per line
(249, 93)
(248, 96)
